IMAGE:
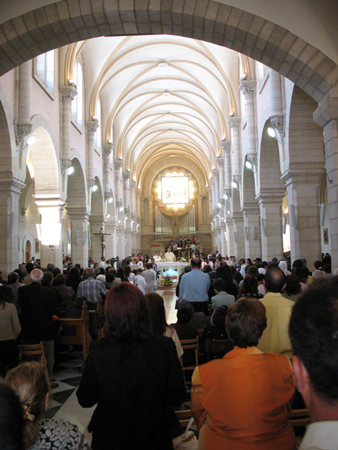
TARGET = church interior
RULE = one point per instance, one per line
(127, 124)
(138, 124)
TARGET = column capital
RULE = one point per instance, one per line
(235, 122)
(252, 158)
(220, 163)
(212, 182)
(215, 172)
(247, 87)
(68, 93)
(226, 146)
(271, 195)
(132, 184)
(118, 163)
(92, 126)
(303, 173)
(23, 130)
(277, 122)
(77, 213)
(126, 175)
(107, 149)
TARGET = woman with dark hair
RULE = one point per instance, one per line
(74, 279)
(292, 288)
(159, 323)
(249, 288)
(242, 401)
(133, 376)
(9, 330)
(224, 272)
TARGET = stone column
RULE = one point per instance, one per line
(326, 115)
(91, 127)
(226, 146)
(96, 224)
(213, 196)
(220, 165)
(215, 173)
(200, 211)
(239, 245)
(118, 174)
(79, 235)
(302, 186)
(252, 224)
(277, 117)
(132, 186)
(235, 123)
(110, 229)
(10, 191)
(68, 94)
(248, 90)
(24, 126)
(270, 205)
(107, 149)
(126, 177)
(230, 237)
(150, 214)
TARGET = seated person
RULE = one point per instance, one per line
(292, 289)
(30, 383)
(222, 297)
(231, 398)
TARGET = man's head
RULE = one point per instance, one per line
(313, 331)
(219, 285)
(274, 280)
(103, 258)
(89, 272)
(195, 263)
(36, 275)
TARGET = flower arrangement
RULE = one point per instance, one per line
(167, 281)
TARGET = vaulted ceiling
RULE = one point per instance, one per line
(160, 96)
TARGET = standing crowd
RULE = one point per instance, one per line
(272, 313)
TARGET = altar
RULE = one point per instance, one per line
(178, 266)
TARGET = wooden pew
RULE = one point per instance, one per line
(81, 337)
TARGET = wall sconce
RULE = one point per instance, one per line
(94, 188)
(110, 200)
(70, 170)
(121, 209)
(235, 184)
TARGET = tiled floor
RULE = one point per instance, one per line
(67, 373)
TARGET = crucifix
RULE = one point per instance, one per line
(102, 236)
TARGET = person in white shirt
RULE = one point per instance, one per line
(157, 257)
(313, 331)
(169, 256)
(103, 262)
(140, 281)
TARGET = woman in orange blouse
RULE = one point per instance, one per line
(242, 401)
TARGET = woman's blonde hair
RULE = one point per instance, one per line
(31, 384)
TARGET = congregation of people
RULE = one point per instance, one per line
(281, 321)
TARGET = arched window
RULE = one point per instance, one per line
(44, 71)
(77, 103)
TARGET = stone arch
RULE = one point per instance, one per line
(47, 28)
(42, 154)
(76, 187)
(303, 177)
(8, 147)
